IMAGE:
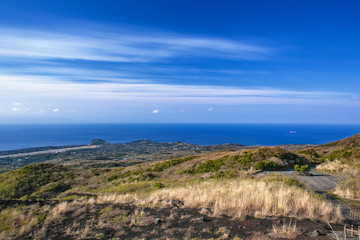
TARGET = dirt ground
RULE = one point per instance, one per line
(125, 221)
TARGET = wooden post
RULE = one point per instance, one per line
(352, 231)
(345, 232)
(359, 232)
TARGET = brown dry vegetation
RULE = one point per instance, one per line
(90, 220)
(349, 188)
(274, 196)
(240, 198)
(44, 181)
(285, 230)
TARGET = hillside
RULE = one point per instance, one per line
(342, 152)
(343, 159)
(347, 149)
(48, 180)
(207, 195)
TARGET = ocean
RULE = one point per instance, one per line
(25, 136)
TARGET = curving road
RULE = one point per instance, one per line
(319, 181)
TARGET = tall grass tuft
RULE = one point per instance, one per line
(240, 198)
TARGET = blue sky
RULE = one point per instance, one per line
(138, 61)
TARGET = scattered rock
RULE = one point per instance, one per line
(206, 211)
(316, 233)
(177, 203)
(157, 221)
(199, 219)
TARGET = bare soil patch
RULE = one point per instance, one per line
(126, 221)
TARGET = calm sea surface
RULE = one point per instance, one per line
(24, 136)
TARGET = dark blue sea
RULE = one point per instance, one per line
(24, 136)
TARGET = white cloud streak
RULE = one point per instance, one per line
(44, 88)
(121, 46)
(54, 80)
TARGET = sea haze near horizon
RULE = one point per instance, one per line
(26, 136)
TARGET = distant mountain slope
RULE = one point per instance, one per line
(347, 150)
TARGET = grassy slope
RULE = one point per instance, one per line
(346, 151)
(46, 180)
(218, 181)
(30, 179)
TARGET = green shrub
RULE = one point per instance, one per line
(159, 167)
(268, 165)
(112, 178)
(310, 152)
(222, 174)
(32, 178)
(252, 158)
(302, 168)
(277, 177)
(334, 155)
(158, 185)
(208, 166)
(245, 159)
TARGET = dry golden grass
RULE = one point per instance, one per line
(239, 198)
(349, 188)
(347, 193)
(14, 221)
(338, 167)
(62, 208)
(287, 230)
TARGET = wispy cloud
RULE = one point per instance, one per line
(122, 46)
(62, 73)
(50, 87)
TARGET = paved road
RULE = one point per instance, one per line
(319, 181)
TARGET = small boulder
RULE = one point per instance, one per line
(177, 203)
(206, 211)
(200, 219)
(157, 221)
(316, 233)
